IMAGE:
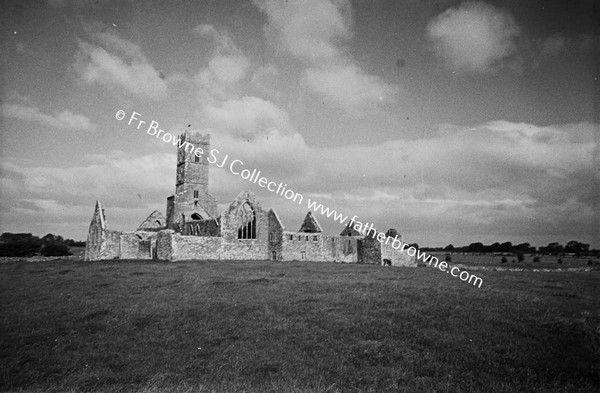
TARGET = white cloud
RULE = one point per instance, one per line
(114, 62)
(224, 43)
(314, 31)
(309, 29)
(226, 69)
(65, 120)
(246, 117)
(473, 36)
(349, 87)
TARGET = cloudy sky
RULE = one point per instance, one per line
(454, 122)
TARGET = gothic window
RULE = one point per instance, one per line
(303, 255)
(195, 193)
(246, 222)
(314, 238)
(291, 237)
(196, 159)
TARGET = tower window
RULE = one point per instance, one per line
(195, 193)
(196, 159)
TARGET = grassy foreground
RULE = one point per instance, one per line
(293, 327)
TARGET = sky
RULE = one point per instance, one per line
(453, 122)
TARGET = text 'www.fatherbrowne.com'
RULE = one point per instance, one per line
(237, 168)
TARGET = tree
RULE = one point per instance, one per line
(523, 247)
(495, 247)
(577, 248)
(54, 249)
(506, 247)
(449, 247)
(476, 247)
(552, 248)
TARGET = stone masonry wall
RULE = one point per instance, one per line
(397, 257)
(300, 246)
(275, 229)
(195, 247)
(164, 247)
(341, 248)
(369, 250)
(244, 249)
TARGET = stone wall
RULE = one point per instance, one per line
(164, 245)
(397, 257)
(111, 245)
(195, 247)
(101, 243)
(369, 250)
(244, 249)
(138, 245)
(341, 248)
(275, 228)
(301, 246)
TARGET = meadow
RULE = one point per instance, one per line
(138, 326)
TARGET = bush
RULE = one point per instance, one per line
(590, 262)
(514, 260)
(504, 260)
(536, 259)
(520, 257)
(448, 258)
(55, 249)
(20, 248)
(559, 260)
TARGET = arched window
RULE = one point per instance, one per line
(246, 222)
(196, 216)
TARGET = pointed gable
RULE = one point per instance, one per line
(310, 224)
(98, 219)
(350, 231)
(274, 220)
(154, 221)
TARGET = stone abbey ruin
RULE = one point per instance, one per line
(193, 229)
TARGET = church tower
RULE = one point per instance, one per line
(191, 201)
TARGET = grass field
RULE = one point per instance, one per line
(545, 261)
(293, 327)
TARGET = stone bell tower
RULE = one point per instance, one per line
(191, 198)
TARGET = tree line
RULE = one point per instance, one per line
(28, 245)
(572, 247)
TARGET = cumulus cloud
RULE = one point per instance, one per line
(65, 120)
(314, 31)
(226, 69)
(223, 107)
(308, 29)
(247, 117)
(114, 62)
(349, 87)
(474, 36)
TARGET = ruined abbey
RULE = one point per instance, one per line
(194, 230)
